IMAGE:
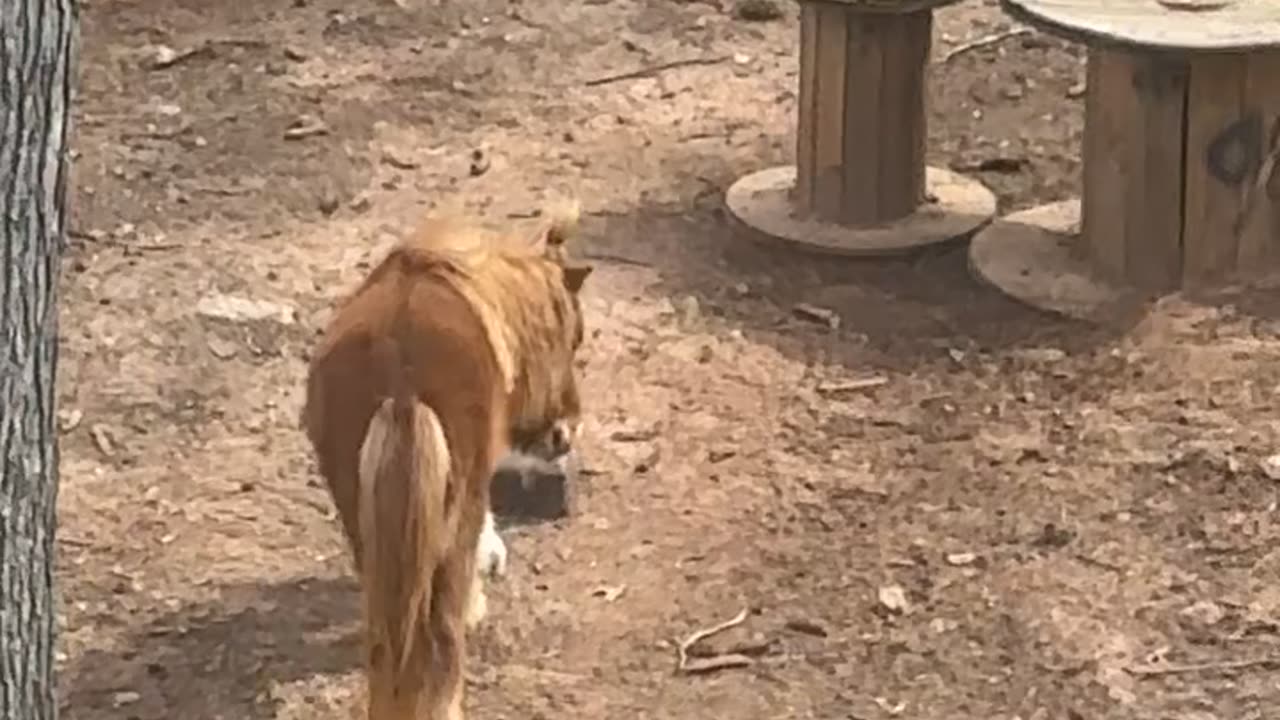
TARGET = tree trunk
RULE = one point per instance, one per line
(37, 58)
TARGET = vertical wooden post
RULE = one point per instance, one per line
(862, 130)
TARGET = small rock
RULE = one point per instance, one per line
(1013, 92)
(399, 160)
(294, 54)
(241, 309)
(125, 697)
(719, 455)
(610, 593)
(361, 203)
(1046, 355)
(634, 436)
(327, 203)
(69, 420)
(813, 313)
(1205, 612)
(1077, 90)
(758, 10)
(687, 309)
(942, 625)
(893, 598)
(806, 627)
(102, 439)
(1271, 467)
(222, 349)
(305, 126)
(961, 558)
(479, 163)
(164, 56)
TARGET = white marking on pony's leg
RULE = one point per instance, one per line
(491, 562)
(454, 711)
(477, 603)
(491, 551)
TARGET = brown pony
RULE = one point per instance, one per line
(458, 342)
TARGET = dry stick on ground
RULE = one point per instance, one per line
(646, 72)
(619, 259)
(865, 383)
(985, 41)
(1155, 670)
(717, 662)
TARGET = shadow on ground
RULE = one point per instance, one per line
(911, 308)
(220, 658)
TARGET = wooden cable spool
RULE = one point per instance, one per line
(860, 184)
(1181, 145)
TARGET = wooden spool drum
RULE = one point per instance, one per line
(860, 184)
(1181, 189)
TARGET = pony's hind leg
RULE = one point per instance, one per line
(454, 594)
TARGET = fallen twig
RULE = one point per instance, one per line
(865, 383)
(607, 257)
(984, 41)
(167, 57)
(1155, 670)
(223, 191)
(749, 648)
(646, 72)
(718, 662)
(701, 666)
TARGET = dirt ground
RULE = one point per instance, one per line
(1026, 519)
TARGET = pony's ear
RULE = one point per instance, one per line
(575, 276)
(560, 227)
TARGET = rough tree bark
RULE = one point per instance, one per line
(37, 58)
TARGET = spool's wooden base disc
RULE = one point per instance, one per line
(761, 202)
(1033, 257)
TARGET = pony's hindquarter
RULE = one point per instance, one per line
(412, 580)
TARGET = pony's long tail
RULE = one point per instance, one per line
(404, 529)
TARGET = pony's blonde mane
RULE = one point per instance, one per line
(516, 287)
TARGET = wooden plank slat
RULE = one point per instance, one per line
(1215, 98)
(1110, 106)
(829, 104)
(862, 129)
(806, 129)
(1259, 249)
(905, 42)
(1153, 249)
